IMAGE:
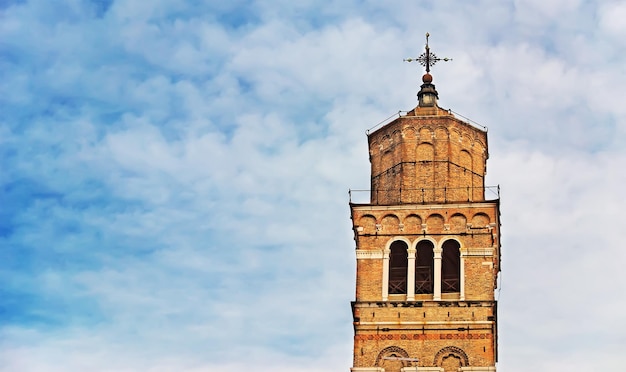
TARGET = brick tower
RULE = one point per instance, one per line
(427, 245)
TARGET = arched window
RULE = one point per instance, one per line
(451, 267)
(424, 268)
(398, 264)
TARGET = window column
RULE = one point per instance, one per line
(462, 278)
(437, 283)
(386, 274)
(410, 291)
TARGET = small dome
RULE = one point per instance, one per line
(427, 78)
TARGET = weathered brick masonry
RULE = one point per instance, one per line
(427, 247)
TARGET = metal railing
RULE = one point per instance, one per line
(423, 280)
(450, 285)
(397, 280)
(402, 113)
(424, 195)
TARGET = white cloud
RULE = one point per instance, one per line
(177, 176)
(611, 19)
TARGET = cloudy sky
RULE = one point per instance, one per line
(174, 174)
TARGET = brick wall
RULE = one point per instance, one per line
(440, 152)
(427, 183)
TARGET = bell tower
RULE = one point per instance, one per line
(427, 245)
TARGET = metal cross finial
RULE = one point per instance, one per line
(427, 59)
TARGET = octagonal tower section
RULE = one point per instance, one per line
(427, 156)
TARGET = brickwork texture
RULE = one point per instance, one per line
(427, 180)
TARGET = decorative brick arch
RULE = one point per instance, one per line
(393, 351)
(409, 132)
(390, 223)
(480, 220)
(412, 223)
(451, 351)
(426, 133)
(457, 222)
(368, 223)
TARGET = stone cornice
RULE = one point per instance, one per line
(483, 252)
(362, 254)
(459, 322)
(413, 207)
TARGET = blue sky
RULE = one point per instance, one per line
(174, 174)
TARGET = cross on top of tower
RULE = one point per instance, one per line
(428, 58)
(427, 95)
